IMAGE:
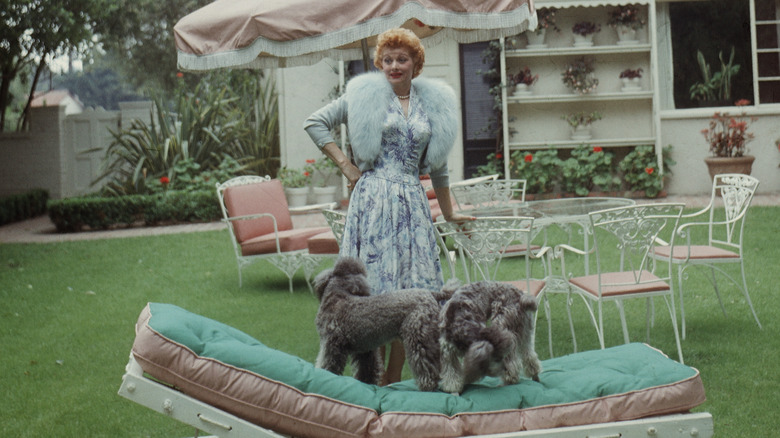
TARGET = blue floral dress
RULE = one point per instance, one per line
(389, 224)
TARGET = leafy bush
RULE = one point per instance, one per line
(23, 206)
(640, 169)
(588, 168)
(540, 169)
(96, 213)
(237, 119)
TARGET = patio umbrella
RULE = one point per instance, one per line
(285, 33)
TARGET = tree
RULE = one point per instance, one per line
(36, 31)
(140, 32)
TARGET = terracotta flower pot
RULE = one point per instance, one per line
(719, 165)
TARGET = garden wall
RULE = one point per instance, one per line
(682, 129)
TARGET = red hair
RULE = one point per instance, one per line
(400, 38)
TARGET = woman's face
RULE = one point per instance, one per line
(398, 66)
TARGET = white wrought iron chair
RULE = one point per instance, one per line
(623, 240)
(485, 242)
(723, 242)
(257, 216)
(496, 193)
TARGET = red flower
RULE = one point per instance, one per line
(742, 102)
(597, 149)
(528, 158)
(649, 170)
(179, 74)
(305, 173)
(311, 161)
(164, 180)
(499, 156)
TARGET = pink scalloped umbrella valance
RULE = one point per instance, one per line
(283, 33)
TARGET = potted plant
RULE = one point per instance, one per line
(640, 170)
(539, 168)
(546, 19)
(296, 185)
(727, 137)
(523, 80)
(580, 123)
(322, 172)
(578, 76)
(626, 21)
(583, 33)
(714, 89)
(630, 78)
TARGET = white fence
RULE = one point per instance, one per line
(62, 154)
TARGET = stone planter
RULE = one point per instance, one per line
(720, 165)
(536, 38)
(522, 90)
(581, 132)
(323, 195)
(631, 85)
(626, 35)
(296, 196)
(583, 40)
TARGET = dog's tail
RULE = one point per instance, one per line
(447, 290)
(492, 345)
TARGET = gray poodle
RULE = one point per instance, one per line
(352, 322)
(488, 325)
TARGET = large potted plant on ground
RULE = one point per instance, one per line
(727, 137)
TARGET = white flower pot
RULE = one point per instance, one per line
(631, 85)
(296, 196)
(323, 195)
(536, 38)
(581, 132)
(583, 41)
(523, 90)
(626, 35)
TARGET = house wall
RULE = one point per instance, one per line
(303, 90)
(682, 129)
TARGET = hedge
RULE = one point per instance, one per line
(99, 213)
(16, 208)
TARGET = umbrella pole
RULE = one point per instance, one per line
(364, 46)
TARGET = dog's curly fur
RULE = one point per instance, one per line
(351, 322)
(490, 326)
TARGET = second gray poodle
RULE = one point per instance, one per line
(487, 328)
(353, 323)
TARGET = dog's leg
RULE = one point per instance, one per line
(367, 367)
(531, 364)
(451, 370)
(331, 357)
(421, 342)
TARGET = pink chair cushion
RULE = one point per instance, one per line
(265, 197)
(289, 240)
(323, 243)
(697, 252)
(535, 285)
(590, 283)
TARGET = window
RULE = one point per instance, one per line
(712, 27)
(767, 29)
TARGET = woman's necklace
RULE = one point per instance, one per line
(404, 97)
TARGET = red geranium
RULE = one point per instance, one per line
(649, 170)
(164, 180)
(528, 158)
(597, 149)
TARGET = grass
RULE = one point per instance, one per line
(66, 328)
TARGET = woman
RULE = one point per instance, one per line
(399, 128)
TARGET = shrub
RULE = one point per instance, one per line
(73, 214)
(23, 206)
(640, 169)
(588, 168)
(540, 169)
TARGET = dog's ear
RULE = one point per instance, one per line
(348, 266)
(321, 281)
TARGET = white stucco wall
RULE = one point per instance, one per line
(682, 129)
(303, 90)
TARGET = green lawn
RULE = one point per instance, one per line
(68, 311)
